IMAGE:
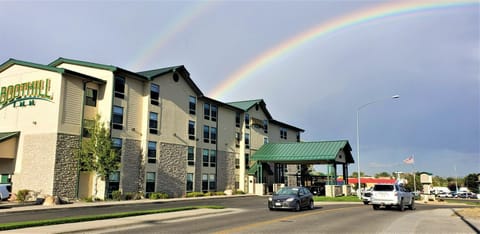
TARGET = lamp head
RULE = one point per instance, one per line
(395, 96)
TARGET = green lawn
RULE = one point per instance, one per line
(15, 225)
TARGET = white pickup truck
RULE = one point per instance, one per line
(389, 195)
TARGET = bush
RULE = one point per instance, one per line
(195, 194)
(116, 195)
(160, 195)
(22, 194)
(129, 196)
(239, 192)
(220, 193)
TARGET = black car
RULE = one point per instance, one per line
(291, 198)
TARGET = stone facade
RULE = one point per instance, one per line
(225, 174)
(66, 166)
(132, 179)
(171, 173)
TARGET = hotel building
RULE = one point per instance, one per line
(171, 137)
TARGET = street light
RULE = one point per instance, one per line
(358, 140)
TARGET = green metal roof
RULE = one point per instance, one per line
(158, 72)
(12, 61)
(304, 152)
(245, 105)
(7, 135)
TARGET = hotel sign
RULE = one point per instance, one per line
(25, 94)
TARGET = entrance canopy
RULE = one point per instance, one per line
(321, 152)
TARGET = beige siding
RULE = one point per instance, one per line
(72, 98)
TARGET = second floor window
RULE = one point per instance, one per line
(119, 87)
(152, 152)
(117, 117)
(191, 130)
(205, 157)
(213, 158)
(192, 104)
(153, 123)
(154, 94)
(91, 97)
(117, 145)
(191, 156)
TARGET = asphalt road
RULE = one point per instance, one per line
(250, 215)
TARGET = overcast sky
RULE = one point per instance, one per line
(430, 58)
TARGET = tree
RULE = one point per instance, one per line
(354, 174)
(96, 152)
(382, 174)
(417, 186)
(471, 182)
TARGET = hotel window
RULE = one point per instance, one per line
(265, 126)
(206, 111)
(153, 123)
(298, 137)
(191, 156)
(189, 182)
(237, 139)
(247, 120)
(212, 184)
(283, 133)
(150, 182)
(213, 158)
(213, 135)
(117, 117)
(154, 94)
(117, 144)
(152, 152)
(214, 113)
(192, 105)
(113, 183)
(119, 87)
(247, 161)
(206, 133)
(204, 183)
(247, 141)
(88, 127)
(91, 97)
(191, 130)
(205, 156)
(265, 140)
(237, 119)
(237, 161)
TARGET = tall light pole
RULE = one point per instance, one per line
(358, 140)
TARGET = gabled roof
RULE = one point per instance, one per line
(12, 62)
(249, 104)
(7, 135)
(97, 66)
(286, 125)
(304, 152)
(152, 74)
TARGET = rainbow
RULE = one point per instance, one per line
(173, 28)
(359, 17)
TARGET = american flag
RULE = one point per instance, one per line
(409, 160)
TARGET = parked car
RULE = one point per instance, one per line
(444, 195)
(5, 191)
(389, 195)
(367, 196)
(291, 198)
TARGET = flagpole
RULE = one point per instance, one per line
(414, 175)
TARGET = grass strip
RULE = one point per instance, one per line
(337, 199)
(37, 223)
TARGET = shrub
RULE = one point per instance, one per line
(239, 192)
(159, 195)
(128, 196)
(116, 195)
(22, 194)
(220, 193)
(195, 194)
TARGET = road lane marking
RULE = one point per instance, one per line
(282, 219)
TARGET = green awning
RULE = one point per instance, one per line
(7, 135)
(253, 169)
(305, 152)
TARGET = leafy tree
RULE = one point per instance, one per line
(355, 174)
(471, 182)
(382, 174)
(96, 152)
(410, 185)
